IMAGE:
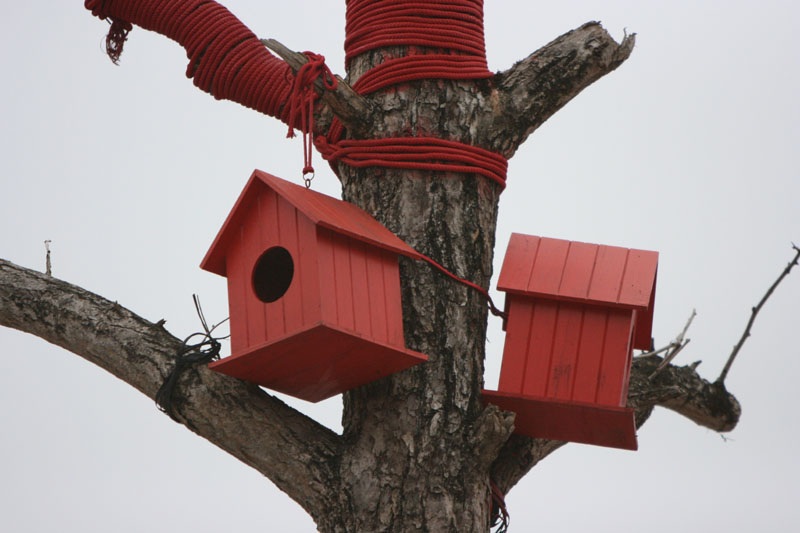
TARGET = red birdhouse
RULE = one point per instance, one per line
(575, 313)
(313, 290)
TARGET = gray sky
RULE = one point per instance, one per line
(689, 149)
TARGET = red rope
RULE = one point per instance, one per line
(454, 25)
(450, 24)
(492, 307)
(228, 61)
(421, 153)
(301, 100)
(499, 513)
(225, 57)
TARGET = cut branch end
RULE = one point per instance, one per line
(351, 108)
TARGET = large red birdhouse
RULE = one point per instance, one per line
(313, 290)
(575, 312)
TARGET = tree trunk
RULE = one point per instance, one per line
(411, 457)
(419, 450)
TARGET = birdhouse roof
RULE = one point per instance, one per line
(325, 211)
(580, 272)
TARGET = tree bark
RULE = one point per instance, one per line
(419, 449)
(420, 444)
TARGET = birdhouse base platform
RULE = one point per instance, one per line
(568, 421)
(296, 364)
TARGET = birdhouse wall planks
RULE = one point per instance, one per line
(313, 290)
(575, 312)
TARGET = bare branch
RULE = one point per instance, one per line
(683, 390)
(351, 108)
(532, 90)
(294, 451)
(674, 344)
(756, 309)
(674, 347)
(668, 358)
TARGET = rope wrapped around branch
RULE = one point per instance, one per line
(225, 57)
(454, 30)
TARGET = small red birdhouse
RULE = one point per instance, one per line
(575, 313)
(313, 290)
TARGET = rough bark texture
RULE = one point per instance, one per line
(418, 448)
(420, 444)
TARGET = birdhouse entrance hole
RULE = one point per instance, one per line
(273, 274)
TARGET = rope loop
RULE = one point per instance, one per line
(301, 102)
(226, 59)
(499, 514)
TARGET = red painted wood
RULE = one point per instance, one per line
(643, 339)
(623, 397)
(566, 343)
(308, 270)
(394, 309)
(572, 308)
(578, 270)
(339, 323)
(540, 348)
(608, 271)
(518, 262)
(568, 421)
(252, 247)
(549, 266)
(574, 271)
(515, 350)
(642, 273)
(358, 279)
(327, 277)
(590, 354)
(342, 217)
(269, 221)
(318, 374)
(377, 298)
(343, 283)
(237, 285)
(637, 282)
(616, 350)
(292, 300)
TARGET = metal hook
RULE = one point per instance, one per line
(307, 181)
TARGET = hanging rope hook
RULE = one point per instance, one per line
(301, 104)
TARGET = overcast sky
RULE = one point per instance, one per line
(689, 148)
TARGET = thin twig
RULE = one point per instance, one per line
(352, 109)
(668, 359)
(654, 352)
(755, 310)
(673, 348)
(48, 266)
(676, 342)
(680, 337)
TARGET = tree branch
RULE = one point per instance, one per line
(680, 389)
(532, 90)
(756, 309)
(292, 450)
(352, 109)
